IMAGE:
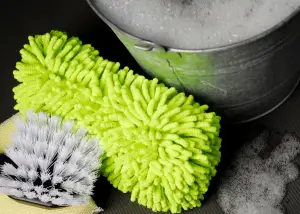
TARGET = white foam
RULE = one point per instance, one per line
(193, 24)
(256, 185)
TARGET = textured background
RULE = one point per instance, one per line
(18, 19)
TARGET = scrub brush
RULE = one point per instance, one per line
(159, 144)
(49, 164)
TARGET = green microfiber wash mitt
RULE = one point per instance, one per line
(159, 144)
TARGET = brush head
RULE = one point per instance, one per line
(50, 162)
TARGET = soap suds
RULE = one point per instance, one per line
(257, 186)
(196, 24)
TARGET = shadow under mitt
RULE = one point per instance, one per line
(159, 144)
(11, 206)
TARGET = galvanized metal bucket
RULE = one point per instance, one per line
(242, 81)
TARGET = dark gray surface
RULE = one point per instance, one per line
(18, 19)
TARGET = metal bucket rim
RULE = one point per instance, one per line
(204, 50)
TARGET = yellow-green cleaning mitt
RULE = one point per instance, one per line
(159, 144)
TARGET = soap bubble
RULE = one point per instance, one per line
(196, 23)
(257, 185)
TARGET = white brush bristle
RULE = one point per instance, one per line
(51, 163)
